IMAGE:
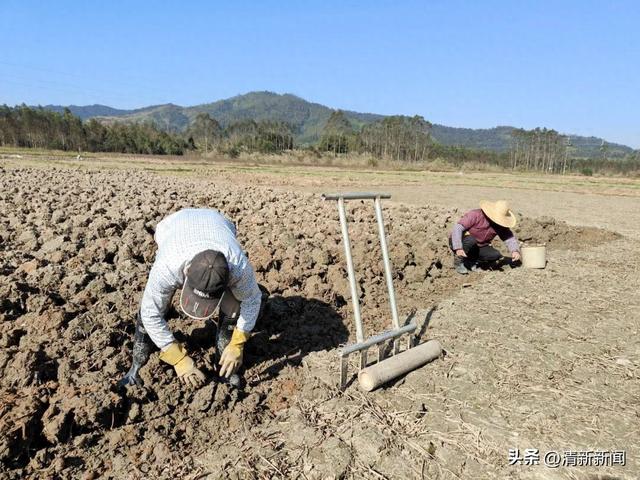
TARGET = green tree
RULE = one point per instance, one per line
(337, 134)
(205, 131)
(397, 137)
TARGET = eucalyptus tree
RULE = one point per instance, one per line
(337, 134)
(205, 130)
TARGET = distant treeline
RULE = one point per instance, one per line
(245, 135)
(408, 139)
(39, 128)
(547, 151)
(395, 138)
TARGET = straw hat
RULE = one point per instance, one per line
(499, 213)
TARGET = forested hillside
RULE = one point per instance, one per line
(307, 120)
(88, 111)
(40, 128)
(396, 138)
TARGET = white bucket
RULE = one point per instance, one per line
(534, 256)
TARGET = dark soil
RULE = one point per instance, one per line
(76, 248)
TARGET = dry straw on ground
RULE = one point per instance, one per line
(552, 364)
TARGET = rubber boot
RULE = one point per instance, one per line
(226, 324)
(223, 336)
(459, 265)
(474, 267)
(141, 352)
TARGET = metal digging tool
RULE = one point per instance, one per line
(397, 331)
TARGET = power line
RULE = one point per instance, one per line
(22, 79)
(140, 82)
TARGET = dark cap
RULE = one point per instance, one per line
(205, 282)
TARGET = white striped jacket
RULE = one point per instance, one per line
(180, 237)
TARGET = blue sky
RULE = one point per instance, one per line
(569, 65)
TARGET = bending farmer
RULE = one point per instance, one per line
(199, 253)
(471, 237)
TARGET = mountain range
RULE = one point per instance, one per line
(308, 119)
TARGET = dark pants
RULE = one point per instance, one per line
(226, 324)
(475, 253)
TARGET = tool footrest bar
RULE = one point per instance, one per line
(371, 341)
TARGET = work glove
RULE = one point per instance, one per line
(176, 355)
(231, 358)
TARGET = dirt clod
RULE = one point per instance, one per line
(76, 250)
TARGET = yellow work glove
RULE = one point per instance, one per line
(176, 355)
(231, 358)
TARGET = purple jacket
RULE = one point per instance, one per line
(476, 223)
